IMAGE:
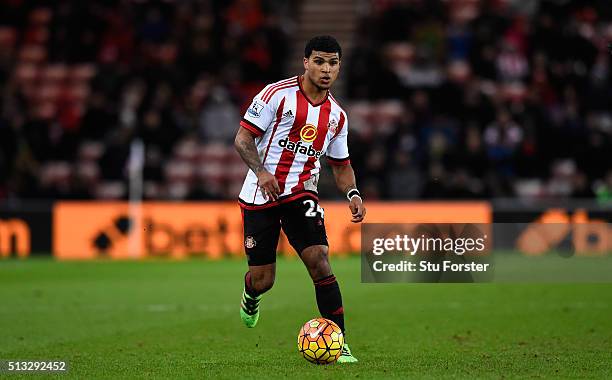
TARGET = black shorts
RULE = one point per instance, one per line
(300, 219)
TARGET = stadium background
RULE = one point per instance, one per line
(501, 105)
(502, 101)
(447, 99)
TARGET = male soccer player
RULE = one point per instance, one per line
(287, 128)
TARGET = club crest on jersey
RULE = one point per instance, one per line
(308, 133)
(250, 242)
(297, 147)
(332, 126)
(255, 109)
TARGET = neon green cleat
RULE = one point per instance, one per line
(249, 309)
(346, 356)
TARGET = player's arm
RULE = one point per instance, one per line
(245, 146)
(338, 157)
(254, 124)
(345, 180)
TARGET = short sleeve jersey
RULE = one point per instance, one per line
(292, 135)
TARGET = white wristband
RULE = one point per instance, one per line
(353, 193)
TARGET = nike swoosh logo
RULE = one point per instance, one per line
(316, 333)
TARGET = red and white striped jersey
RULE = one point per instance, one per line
(293, 133)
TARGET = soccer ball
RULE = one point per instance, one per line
(320, 341)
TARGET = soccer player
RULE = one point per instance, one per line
(289, 126)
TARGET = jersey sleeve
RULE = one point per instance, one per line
(259, 115)
(337, 151)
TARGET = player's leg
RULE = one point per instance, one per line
(304, 226)
(258, 280)
(327, 290)
(261, 232)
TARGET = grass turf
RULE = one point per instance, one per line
(159, 319)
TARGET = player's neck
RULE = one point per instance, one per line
(314, 93)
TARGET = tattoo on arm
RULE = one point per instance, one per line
(245, 146)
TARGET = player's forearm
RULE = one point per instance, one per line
(345, 178)
(245, 146)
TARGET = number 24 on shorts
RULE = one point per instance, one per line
(313, 209)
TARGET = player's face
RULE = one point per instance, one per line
(322, 68)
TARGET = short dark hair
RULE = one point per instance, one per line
(327, 44)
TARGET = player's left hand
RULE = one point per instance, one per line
(357, 210)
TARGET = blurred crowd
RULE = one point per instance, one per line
(446, 99)
(82, 79)
(473, 99)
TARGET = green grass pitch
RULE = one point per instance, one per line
(164, 319)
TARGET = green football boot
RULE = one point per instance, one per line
(249, 309)
(346, 356)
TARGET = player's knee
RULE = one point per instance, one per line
(318, 261)
(263, 282)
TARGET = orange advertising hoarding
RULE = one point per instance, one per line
(88, 230)
(14, 231)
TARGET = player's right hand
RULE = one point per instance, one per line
(268, 184)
